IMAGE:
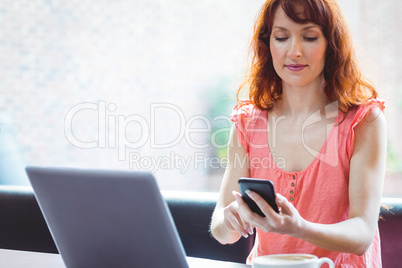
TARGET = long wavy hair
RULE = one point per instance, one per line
(343, 79)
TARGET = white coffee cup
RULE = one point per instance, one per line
(290, 261)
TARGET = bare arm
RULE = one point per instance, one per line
(365, 189)
(226, 225)
(367, 169)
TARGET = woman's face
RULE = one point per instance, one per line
(298, 51)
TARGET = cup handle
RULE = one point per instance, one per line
(321, 261)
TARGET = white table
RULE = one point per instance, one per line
(29, 259)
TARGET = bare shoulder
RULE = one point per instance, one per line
(234, 144)
(375, 115)
(372, 126)
(370, 145)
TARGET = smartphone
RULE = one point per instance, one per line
(265, 188)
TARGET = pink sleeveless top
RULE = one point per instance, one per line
(319, 193)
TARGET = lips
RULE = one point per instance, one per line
(296, 67)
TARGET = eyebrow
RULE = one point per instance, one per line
(304, 29)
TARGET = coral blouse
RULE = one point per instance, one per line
(319, 193)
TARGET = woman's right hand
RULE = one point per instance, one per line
(227, 226)
(234, 223)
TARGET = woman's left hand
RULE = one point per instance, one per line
(287, 221)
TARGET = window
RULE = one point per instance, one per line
(150, 84)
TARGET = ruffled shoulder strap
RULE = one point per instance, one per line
(359, 115)
(242, 116)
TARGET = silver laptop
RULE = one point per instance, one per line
(102, 218)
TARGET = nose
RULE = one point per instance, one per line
(295, 50)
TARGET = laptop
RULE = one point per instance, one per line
(104, 218)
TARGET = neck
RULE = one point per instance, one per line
(301, 102)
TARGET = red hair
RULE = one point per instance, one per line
(343, 80)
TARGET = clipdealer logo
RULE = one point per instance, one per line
(112, 132)
(112, 128)
(328, 153)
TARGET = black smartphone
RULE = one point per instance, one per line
(265, 188)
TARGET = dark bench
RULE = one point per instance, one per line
(22, 226)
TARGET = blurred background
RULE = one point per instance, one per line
(149, 84)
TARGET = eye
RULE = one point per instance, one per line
(281, 39)
(310, 39)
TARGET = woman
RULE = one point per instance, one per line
(313, 127)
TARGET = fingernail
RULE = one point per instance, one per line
(249, 193)
(250, 230)
(244, 234)
(235, 195)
